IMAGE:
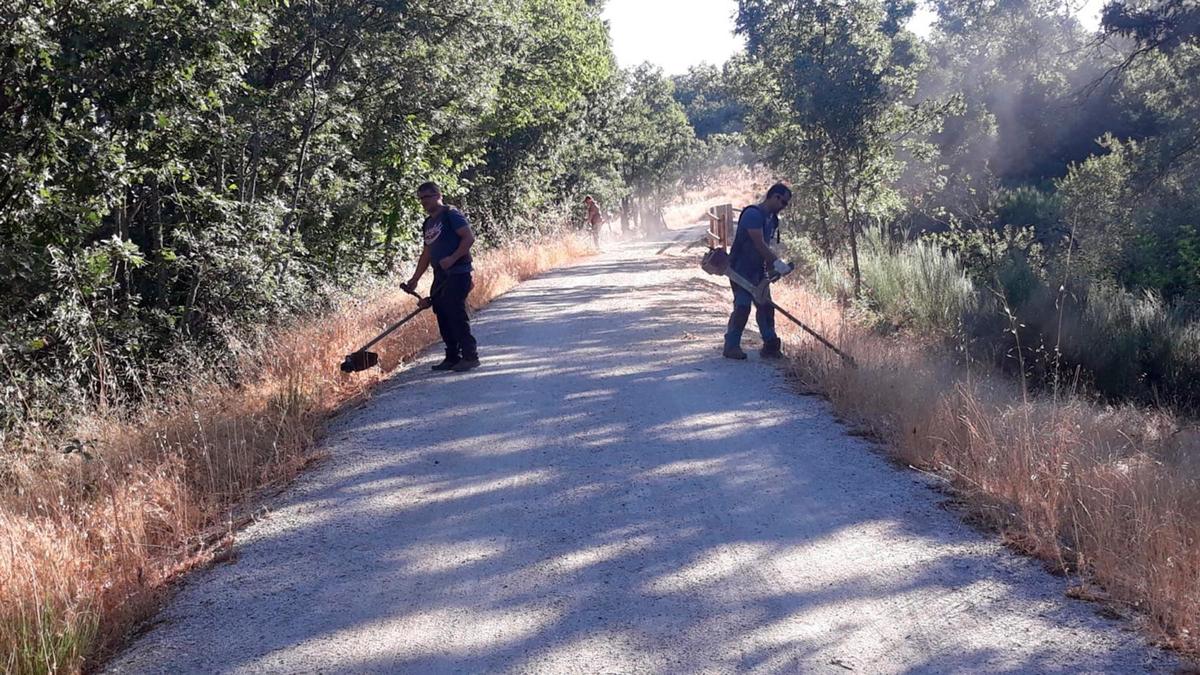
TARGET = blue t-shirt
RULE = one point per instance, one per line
(743, 257)
(441, 236)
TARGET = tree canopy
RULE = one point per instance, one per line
(177, 173)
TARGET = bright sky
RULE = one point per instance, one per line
(673, 34)
(677, 34)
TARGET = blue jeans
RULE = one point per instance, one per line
(764, 314)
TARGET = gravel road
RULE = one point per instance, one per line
(607, 494)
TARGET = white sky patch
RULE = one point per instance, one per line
(673, 34)
(678, 34)
(922, 21)
(1089, 13)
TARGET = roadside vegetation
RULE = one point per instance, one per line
(204, 206)
(95, 526)
(1109, 494)
(1005, 241)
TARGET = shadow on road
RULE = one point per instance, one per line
(607, 493)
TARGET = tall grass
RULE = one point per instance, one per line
(830, 279)
(1136, 345)
(1121, 345)
(1110, 494)
(95, 520)
(918, 283)
(912, 284)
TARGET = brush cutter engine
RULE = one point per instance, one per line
(715, 261)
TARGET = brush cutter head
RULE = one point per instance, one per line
(360, 361)
(716, 261)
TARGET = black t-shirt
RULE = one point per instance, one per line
(441, 236)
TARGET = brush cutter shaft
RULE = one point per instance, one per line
(362, 359)
(393, 327)
(758, 292)
(815, 334)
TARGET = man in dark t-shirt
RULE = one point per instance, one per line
(751, 257)
(448, 239)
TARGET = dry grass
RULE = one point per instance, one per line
(1110, 495)
(88, 540)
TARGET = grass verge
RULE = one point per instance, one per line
(1107, 494)
(94, 523)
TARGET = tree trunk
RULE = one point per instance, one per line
(660, 218)
(851, 223)
(162, 278)
(826, 238)
(854, 258)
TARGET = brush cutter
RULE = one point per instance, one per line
(716, 262)
(364, 360)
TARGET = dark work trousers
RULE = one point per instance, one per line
(764, 314)
(450, 305)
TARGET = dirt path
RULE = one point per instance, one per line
(607, 494)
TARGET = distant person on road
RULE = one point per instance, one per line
(751, 257)
(594, 218)
(448, 239)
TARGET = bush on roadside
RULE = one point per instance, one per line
(915, 283)
(1114, 343)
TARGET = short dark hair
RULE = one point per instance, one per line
(780, 190)
(429, 186)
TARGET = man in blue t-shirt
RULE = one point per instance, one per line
(448, 239)
(751, 257)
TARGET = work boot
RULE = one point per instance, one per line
(467, 363)
(771, 349)
(734, 352)
(447, 363)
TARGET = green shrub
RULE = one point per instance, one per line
(915, 284)
(1135, 345)
(831, 279)
(1121, 345)
(1125, 346)
(1028, 208)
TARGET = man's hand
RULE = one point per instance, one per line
(409, 286)
(446, 263)
(783, 268)
(425, 303)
